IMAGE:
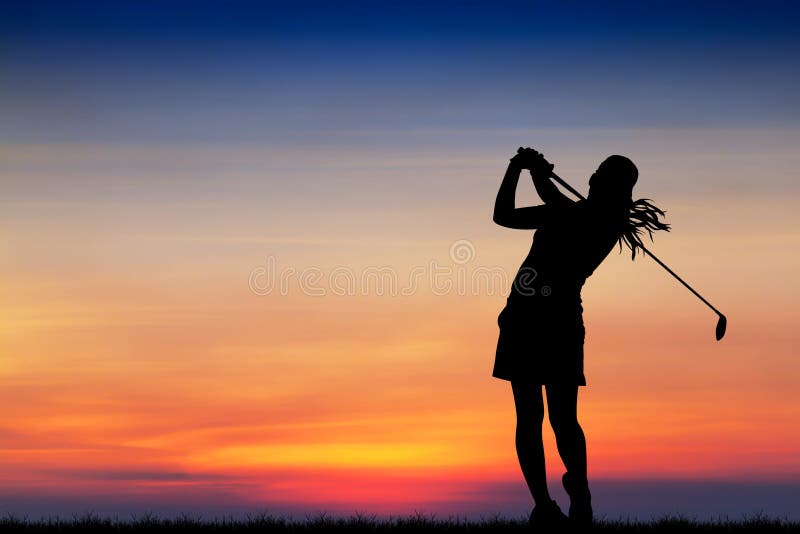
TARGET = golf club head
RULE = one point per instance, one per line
(722, 324)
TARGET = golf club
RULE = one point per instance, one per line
(722, 324)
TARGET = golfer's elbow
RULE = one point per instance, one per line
(496, 218)
(500, 219)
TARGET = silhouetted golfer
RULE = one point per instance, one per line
(541, 327)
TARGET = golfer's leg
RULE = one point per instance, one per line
(562, 408)
(530, 450)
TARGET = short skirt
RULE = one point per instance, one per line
(541, 341)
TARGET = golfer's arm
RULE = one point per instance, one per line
(506, 214)
(548, 192)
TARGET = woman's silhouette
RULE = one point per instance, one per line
(541, 327)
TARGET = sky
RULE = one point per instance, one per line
(248, 262)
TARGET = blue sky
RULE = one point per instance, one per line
(260, 72)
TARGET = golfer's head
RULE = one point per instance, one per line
(614, 179)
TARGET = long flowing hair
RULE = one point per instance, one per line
(643, 216)
(616, 177)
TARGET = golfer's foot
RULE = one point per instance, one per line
(580, 501)
(547, 515)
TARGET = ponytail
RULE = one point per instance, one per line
(642, 214)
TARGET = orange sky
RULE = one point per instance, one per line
(135, 357)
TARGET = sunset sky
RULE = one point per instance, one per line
(248, 262)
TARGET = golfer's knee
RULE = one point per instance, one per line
(564, 425)
(531, 416)
(528, 434)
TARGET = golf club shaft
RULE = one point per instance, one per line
(658, 261)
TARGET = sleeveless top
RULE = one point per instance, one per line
(574, 239)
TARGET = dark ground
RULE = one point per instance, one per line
(92, 523)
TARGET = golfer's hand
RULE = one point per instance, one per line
(524, 157)
(529, 158)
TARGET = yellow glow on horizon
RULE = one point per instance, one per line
(327, 455)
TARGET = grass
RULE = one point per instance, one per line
(365, 523)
